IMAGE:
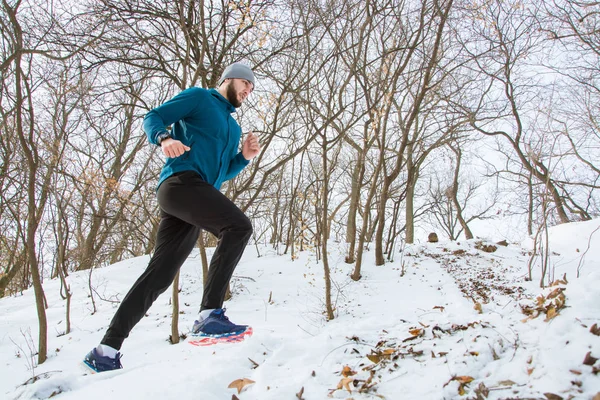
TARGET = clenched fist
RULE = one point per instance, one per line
(173, 148)
(251, 147)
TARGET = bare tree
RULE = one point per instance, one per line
(41, 156)
(506, 36)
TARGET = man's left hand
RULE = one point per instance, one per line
(251, 147)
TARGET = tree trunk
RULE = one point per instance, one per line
(25, 140)
(203, 257)
(454, 193)
(324, 230)
(175, 315)
(410, 211)
(357, 176)
(379, 258)
(356, 274)
(410, 196)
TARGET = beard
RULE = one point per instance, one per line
(232, 96)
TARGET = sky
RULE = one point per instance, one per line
(445, 320)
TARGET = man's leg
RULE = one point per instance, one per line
(233, 238)
(175, 240)
(200, 204)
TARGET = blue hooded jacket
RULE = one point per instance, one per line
(201, 120)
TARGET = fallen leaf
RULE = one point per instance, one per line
(574, 371)
(437, 328)
(345, 383)
(551, 313)
(416, 331)
(555, 293)
(589, 360)
(540, 300)
(478, 308)
(464, 379)
(595, 330)
(560, 301)
(507, 382)
(234, 397)
(530, 371)
(482, 391)
(597, 396)
(240, 384)
(374, 357)
(300, 393)
(347, 371)
(552, 396)
(415, 353)
(562, 281)
(474, 353)
(441, 308)
(410, 338)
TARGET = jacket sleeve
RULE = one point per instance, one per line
(236, 165)
(182, 105)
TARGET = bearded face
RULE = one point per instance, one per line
(233, 95)
(237, 91)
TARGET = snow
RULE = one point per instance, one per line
(415, 317)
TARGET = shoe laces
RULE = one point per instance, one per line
(117, 360)
(220, 313)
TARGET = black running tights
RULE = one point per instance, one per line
(188, 204)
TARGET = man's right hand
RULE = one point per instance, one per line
(173, 148)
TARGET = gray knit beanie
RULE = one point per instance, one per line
(237, 70)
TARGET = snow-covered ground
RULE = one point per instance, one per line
(441, 321)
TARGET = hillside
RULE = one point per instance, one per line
(441, 321)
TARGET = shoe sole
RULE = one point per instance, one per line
(89, 368)
(209, 341)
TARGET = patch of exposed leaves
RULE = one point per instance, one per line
(386, 355)
(488, 248)
(549, 305)
(475, 277)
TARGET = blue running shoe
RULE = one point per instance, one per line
(217, 325)
(100, 363)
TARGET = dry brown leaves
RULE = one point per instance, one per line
(349, 383)
(549, 305)
(589, 359)
(463, 381)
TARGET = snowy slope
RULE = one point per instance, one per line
(441, 321)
